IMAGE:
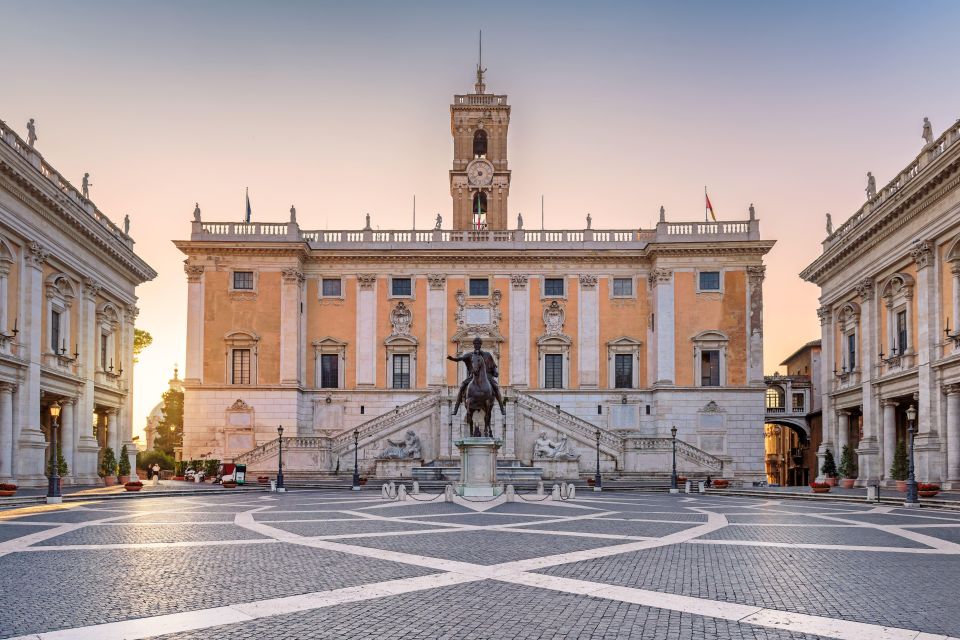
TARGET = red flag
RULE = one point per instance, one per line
(709, 206)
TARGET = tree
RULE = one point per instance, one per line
(108, 464)
(170, 426)
(900, 468)
(141, 340)
(848, 468)
(123, 465)
(829, 468)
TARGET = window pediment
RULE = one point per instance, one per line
(710, 336)
(899, 284)
(625, 342)
(59, 286)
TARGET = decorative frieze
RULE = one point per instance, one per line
(366, 280)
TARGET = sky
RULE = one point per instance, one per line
(343, 109)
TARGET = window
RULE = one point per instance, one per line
(479, 287)
(55, 330)
(329, 371)
(104, 337)
(243, 280)
(401, 371)
(240, 373)
(623, 286)
(901, 331)
(479, 209)
(553, 371)
(480, 144)
(401, 287)
(851, 351)
(774, 398)
(553, 287)
(710, 368)
(623, 370)
(798, 402)
(709, 281)
(331, 288)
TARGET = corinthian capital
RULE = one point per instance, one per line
(658, 276)
(756, 273)
(36, 255)
(194, 271)
(588, 281)
(367, 280)
(292, 275)
(824, 314)
(922, 254)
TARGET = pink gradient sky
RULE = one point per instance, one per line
(342, 109)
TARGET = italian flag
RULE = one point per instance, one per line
(709, 206)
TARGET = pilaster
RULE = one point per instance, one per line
(588, 332)
(291, 343)
(826, 384)
(519, 330)
(436, 329)
(661, 282)
(193, 372)
(755, 276)
(366, 329)
(927, 443)
(953, 435)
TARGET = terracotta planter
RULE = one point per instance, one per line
(847, 483)
(928, 494)
(821, 489)
(721, 484)
(229, 485)
(7, 490)
(124, 479)
(832, 481)
(180, 478)
(591, 481)
(363, 481)
(901, 486)
(109, 481)
(263, 480)
(133, 486)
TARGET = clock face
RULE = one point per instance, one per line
(480, 173)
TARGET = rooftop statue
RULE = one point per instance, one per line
(829, 225)
(293, 214)
(85, 186)
(927, 131)
(589, 221)
(439, 222)
(31, 132)
(126, 224)
(519, 221)
(871, 186)
(367, 227)
(196, 212)
(663, 214)
(753, 212)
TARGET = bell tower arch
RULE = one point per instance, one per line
(480, 177)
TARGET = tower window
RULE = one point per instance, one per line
(480, 210)
(480, 144)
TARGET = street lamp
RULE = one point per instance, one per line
(673, 473)
(597, 480)
(280, 460)
(912, 500)
(356, 466)
(53, 486)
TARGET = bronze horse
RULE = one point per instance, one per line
(479, 396)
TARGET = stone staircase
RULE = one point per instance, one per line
(385, 423)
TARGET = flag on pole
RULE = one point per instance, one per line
(709, 207)
(246, 217)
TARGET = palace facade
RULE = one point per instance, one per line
(67, 311)
(608, 336)
(889, 279)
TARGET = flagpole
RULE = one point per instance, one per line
(705, 196)
(542, 227)
(414, 212)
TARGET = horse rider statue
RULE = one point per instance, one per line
(492, 373)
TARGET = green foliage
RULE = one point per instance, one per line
(179, 467)
(829, 467)
(108, 463)
(848, 467)
(61, 465)
(123, 465)
(170, 427)
(146, 459)
(210, 467)
(141, 340)
(900, 468)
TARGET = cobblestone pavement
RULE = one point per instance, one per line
(333, 564)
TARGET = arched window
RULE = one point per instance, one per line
(479, 210)
(775, 398)
(480, 144)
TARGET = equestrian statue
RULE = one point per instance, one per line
(480, 388)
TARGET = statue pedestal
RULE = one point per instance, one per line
(478, 467)
(559, 469)
(397, 467)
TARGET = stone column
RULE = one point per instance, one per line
(588, 332)
(889, 435)
(110, 431)
(755, 276)
(519, 330)
(843, 433)
(826, 384)
(6, 431)
(868, 451)
(661, 280)
(194, 366)
(437, 329)
(927, 443)
(68, 434)
(290, 342)
(87, 448)
(366, 329)
(953, 435)
(31, 444)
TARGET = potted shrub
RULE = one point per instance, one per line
(829, 468)
(900, 468)
(263, 480)
(229, 484)
(820, 487)
(7, 490)
(681, 479)
(178, 468)
(927, 489)
(721, 483)
(210, 468)
(136, 485)
(108, 467)
(123, 465)
(62, 468)
(847, 469)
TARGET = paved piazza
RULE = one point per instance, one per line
(326, 564)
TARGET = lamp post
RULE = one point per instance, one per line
(597, 480)
(912, 500)
(673, 472)
(53, 486)
(280, 486)
(356, 465)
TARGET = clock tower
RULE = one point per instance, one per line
(479, 179)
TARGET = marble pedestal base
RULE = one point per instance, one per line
(559, 469)
(397, 467)
(478, 467)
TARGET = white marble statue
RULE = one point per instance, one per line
(871, 186)
(409, 447)
(439, 222)
(560, 450)
(196, 212)
(927, 131)
(31, 132)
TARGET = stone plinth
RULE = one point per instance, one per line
(397, 467)
(478, 467)
(559, 469)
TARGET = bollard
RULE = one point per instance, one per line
(686, 486)
(700, 487)
(402, 493)
(448, 493)
(555, 492)
(416, 488)
(540, 488)
(571, 491)
(510, 493)
(385, 492)
(273, 485)
(873, 493)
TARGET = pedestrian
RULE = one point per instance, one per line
(156, 473)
